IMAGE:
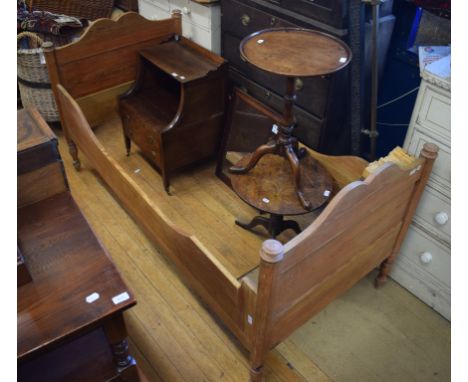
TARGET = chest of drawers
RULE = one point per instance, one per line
(322, 102)
(200, 22)
(423, 266)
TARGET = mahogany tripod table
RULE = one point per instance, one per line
(293, 53)
(269, 188)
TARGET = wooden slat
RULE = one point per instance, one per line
(323, 262)
(333, 287)
(98, 106)
(105, 35)
(356, 201)
(99, 60)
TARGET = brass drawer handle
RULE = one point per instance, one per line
(298, 84)
(245, 20)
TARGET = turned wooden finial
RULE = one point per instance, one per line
(429, 151)
(272, 251)
(176, 14)
(47, 45)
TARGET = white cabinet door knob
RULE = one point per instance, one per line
(425, 257)
(441, 218)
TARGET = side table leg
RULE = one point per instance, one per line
(294, 161)
(262, 150)
(116, 333)
(257, 220)
(291, 224)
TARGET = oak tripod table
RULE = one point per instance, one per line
(269, 188)
(292, 53)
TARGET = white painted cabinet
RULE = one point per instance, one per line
(423, 266)
(200, 22)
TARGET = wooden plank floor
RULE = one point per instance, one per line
(366, 335)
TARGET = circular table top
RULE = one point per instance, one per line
(270, 185)
(295, 52)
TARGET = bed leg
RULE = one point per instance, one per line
(73, 150)
(256, 375)
(384, 270)
(271, 254)
(128, 144)
(429, 154)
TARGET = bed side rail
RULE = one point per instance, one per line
(208, 277)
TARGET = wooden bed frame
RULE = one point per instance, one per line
(362, 227)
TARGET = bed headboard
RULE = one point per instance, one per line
(103, 62)
(106, 54)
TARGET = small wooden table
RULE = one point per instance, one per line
(292, 53)
(269, 188)
(70, 324)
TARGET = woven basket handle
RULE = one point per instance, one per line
(34, 37)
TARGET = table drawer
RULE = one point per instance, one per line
(428, 258)
(433, 214)
(312, 93)
(205, 16)
(440, 176)
(308, 128)
(331, 12)
(151, 11)
(434, 114)
(241, 20)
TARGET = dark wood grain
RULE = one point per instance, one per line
(36, 143)
(67, 264)
(309, 53)
(175, 110)
(71, 363)
(269, 186)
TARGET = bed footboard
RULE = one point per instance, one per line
(361, 228)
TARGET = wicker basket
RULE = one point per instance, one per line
(33, 78)
(87, 9)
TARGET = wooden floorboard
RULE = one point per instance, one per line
(366, 335)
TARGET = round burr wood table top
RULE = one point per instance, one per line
(270, 186)
(295, 52)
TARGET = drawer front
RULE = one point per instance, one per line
(209, 39)
(143, 136)
(242, 20)
(312, 93)
(440, 176)
(430, 282)
(207, 17)
(308, 127)
(429, 258)
(152, 10)
(331, 12)
(433, 214)
(434, 114)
